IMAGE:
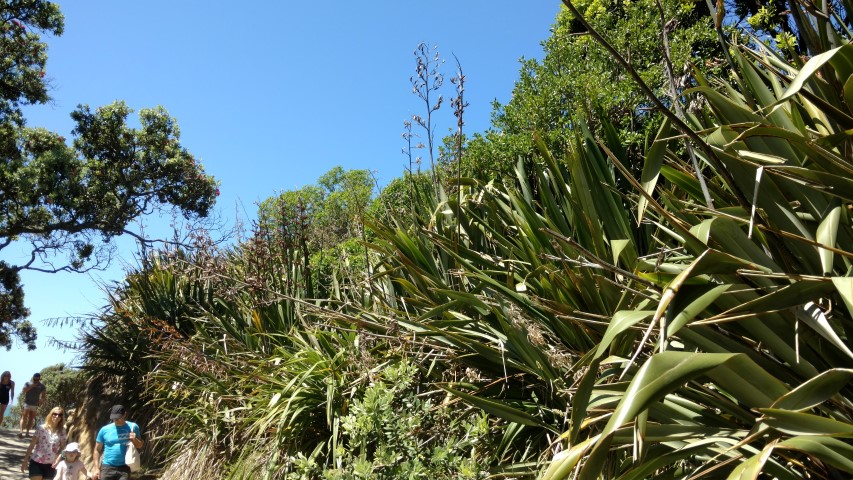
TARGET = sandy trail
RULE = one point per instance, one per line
(12, 451)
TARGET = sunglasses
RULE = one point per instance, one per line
(55, 414)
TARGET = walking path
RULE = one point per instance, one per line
(12, 451)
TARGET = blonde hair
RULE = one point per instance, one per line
(47, 424)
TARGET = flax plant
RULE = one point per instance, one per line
(682, 328)
(677, 337)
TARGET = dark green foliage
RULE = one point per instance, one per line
(322, 225)
(12, 310)
(246, 378)
(391, 432)
(400, 201)
(71, 201)
(24, 55)
(578, 82)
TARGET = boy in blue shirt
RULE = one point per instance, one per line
(111, 446)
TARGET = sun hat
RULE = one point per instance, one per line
(72, 448)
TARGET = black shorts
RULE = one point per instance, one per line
(109, 472)
(43, 470)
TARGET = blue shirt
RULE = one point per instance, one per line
(115, 440)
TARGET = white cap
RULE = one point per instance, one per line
(72, 448)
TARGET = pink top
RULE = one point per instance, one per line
(48, 445)
(70, 471)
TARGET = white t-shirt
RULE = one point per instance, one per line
(70, 471)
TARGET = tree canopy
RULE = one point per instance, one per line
(324, 223)
(577, 81)
(66, 202)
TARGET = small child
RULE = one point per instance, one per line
(72, 466)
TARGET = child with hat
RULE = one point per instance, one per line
(72, 466)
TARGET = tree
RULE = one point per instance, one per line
(577, 81)
(322, 226)
(72, 200)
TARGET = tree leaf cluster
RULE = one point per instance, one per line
(577, 81)
(62, 203)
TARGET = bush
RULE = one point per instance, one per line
(391, 431)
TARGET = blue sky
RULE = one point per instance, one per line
(269, 95)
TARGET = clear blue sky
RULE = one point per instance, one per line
(270, 95)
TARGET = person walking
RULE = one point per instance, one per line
(7, 393)
(72, 467)
(35, 394)
(111, 446)
(46, 446)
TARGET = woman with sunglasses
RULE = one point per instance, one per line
(48, 442)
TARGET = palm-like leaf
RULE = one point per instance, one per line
(526, 294)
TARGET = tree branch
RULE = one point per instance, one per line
(667, 62)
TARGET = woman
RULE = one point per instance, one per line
(7, 393)
(48, 442)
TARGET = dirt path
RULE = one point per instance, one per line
(12, 451)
